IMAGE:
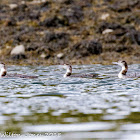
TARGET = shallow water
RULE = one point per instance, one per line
(100, 108)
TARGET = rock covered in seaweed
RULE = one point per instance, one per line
(86, 48)
(48, 29)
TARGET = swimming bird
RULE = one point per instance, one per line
(2, 70)
(3, 73)
(123, 72)
(69, 73)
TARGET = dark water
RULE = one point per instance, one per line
(101, 108)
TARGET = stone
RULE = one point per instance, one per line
(55, 21)
(45, 55)
(73, 14)
(13, 6)
(60, 55)
(104, 16)
(107, 25)
(20, 49)
(106, 31)
(18, 52)
(56, 41)
(86, 48)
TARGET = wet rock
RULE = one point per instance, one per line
(119, 32)
(22, 7)
(34, 16)
(2, 8)
(106, 25)
(125, 6)
(56, 41)
(18, 8)
(133, 36)
(18, 52)
(84, 3)
(50, 36)
(137, 37)
(45, 6)
(122, 48)
(25, 12)
(10, 22)
(68, 1)
(112, 47)
(81, 3)
(109, 38)
(55, 21)
(18, 57)
(73, 14)
(133, 17)
(32, 47)
(86, 48)
(123, 35)
(120, 6)
(107, 0)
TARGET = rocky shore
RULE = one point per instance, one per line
(44, 32)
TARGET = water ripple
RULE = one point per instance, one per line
(71, 105)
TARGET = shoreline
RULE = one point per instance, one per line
(79, 32)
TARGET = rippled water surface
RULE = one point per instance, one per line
(104, 107)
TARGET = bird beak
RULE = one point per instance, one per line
(116, 63)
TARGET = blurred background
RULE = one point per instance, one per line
(35, 32)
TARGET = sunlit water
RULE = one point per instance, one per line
(100, 108)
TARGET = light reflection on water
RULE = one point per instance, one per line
(105, 107)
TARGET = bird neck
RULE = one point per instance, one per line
(123, 72)
(2, 72)
(68, 71)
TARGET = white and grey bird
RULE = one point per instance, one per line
(2, 70)
(3, 73)
(123, 72)
(69, 73)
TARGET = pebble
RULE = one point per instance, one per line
(13, 6)
(43, 55)
(104, 16)
(20, 49)
(106, 31)
(60, 55)
(37, 1)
